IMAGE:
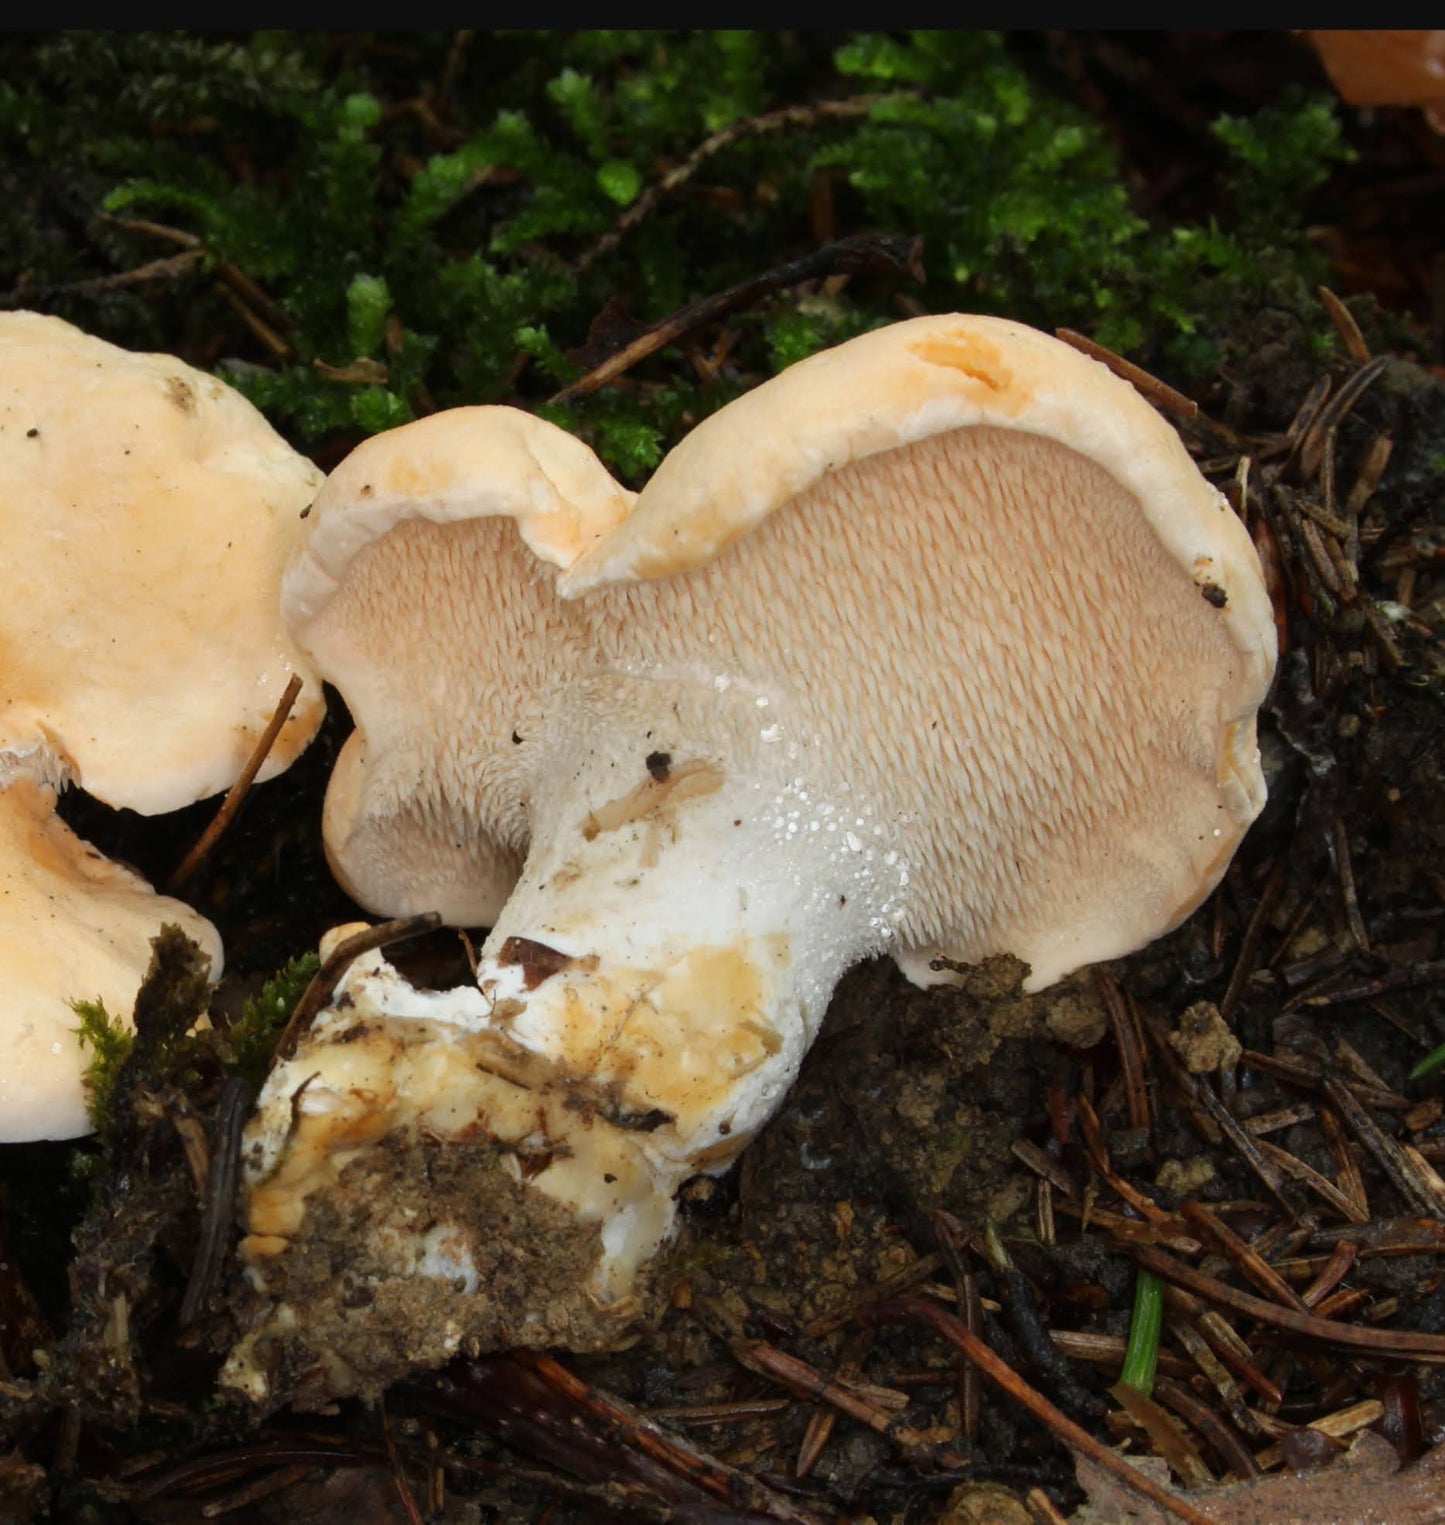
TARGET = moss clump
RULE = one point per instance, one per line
(253, 1035)
(381, 225)
(110, 1044)
(178, 1054)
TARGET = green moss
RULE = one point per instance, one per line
(110, 1043)
(253, 1035)
(453, 247)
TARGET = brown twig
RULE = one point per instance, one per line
(806, 1381)
(1244, 965)
(1336, 1268)
(1333, 412)
(1215, 1373)
(398, 1477)
(822, 1420)
(1220, 1434)
(916, 1311)
(1306, 1072)
(169, 268)
(906, 1280)
(1396, 1342)
(223, 817)
(1387, 1236)
(1129, 1042)
(272, 341)
(220, 1208)
(1107, 1351)
(1348, 1176)
(1344, 321)
(725, 137)
(1042, 1508)
(865, 254)
(1387, 1152)
(1044, 1165)
(1308, 1176)
(738, 1412)
(1250, 1151)
(622, 1420)
(1160, 393)
(328, 976)
(218, 1466)
(276, 1481)
(1252, 1265)
(1098, 1155)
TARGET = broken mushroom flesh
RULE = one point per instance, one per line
(152, 510)
(937, 643)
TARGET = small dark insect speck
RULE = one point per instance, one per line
(659, 765)
(32, 434)
(516, 739)
(1214, 594)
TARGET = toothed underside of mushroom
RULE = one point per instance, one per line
(427, 808)
(1052, 682)
(1033, 692)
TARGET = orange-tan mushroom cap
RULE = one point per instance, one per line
(423, 591)
(1386, 68)
(147, 511)
(150, 509)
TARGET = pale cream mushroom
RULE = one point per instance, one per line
(72, 924)
(424, 592)
(147, 512)
(936, 643)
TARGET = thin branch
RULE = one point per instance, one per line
(725, 137)
(916, 1311)
(864, 254)
(343, 955)
(169, 268)
(1381, 1342)
(1160, 393)
(223, 817)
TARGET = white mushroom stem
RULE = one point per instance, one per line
(685, 912)
(647, 995)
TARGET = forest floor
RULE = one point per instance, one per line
(958, 1159)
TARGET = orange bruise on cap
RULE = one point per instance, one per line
(936, 644)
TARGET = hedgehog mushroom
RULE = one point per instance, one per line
(148, 510)
(423, 591)
(936, 643)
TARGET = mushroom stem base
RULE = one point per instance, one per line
(419, 1250)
